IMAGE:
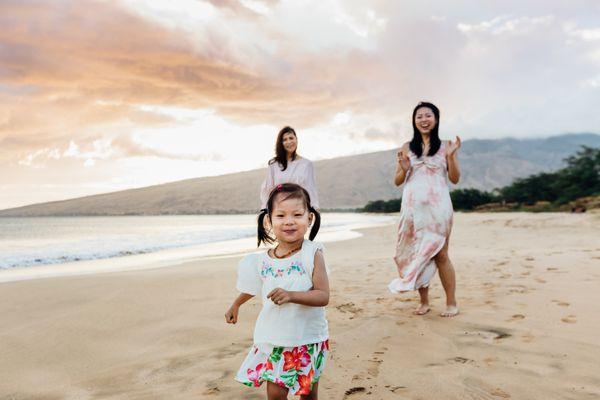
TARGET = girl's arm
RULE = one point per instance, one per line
(232, 314)
(452, 161)
(318, 296)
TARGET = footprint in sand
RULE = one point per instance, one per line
(489, 361)
(376, 361)
(488, 333)
(349, 308)
(526, 273)
(516, 317)
(569, 319)
(461, 360)
(212, 389)
(527, 337)
(529, 258)
(561, 303)
(540, 280)
(393, 389)
(520, 291)
(500, 393)
(354, 390)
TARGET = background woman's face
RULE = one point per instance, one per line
(290, 143)
(425, 120)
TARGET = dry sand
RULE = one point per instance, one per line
(528, 292)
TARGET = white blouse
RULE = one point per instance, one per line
(290, 324)
(299, 171)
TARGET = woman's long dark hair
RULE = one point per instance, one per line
(280, 153)
(416, 144)
(292, 191)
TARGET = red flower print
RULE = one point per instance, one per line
(297, 358)
(305, 382)
(254, 375)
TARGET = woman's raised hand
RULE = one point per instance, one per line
(453, 147)
(403, 160)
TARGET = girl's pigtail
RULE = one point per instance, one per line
(263, 235)
(316, 223)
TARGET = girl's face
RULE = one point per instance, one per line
(290, 142)
(425, 120)
(290, 219)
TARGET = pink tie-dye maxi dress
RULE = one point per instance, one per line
(425, 220)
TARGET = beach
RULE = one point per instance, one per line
(527, 286)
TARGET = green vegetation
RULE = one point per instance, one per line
(549, 190)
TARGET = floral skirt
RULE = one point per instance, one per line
(294, 368)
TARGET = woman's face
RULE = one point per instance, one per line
(425, 120)
(290, 142)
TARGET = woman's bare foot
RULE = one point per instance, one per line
(422, 310)
(451, 311)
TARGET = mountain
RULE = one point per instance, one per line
(344, 182)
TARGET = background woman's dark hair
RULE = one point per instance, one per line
(416, 144)
(292, 191)
(280, 153)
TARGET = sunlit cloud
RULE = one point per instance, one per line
(106, 95)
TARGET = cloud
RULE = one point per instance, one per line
(507, 25)
(93, 82)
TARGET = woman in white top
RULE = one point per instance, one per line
(288, 167)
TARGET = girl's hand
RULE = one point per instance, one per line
(231, 315)
(453, 147)
(279, 296)
(403, 160)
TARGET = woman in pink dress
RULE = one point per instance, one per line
(289, 167)
(425, 165)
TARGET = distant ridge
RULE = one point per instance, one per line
(344, 182)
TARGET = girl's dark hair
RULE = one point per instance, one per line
(292, 191)
(416, 144)
(280, 153)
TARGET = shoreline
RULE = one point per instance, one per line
(167, 258)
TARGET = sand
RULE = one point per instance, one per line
(528, 328)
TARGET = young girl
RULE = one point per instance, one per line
(291, 334)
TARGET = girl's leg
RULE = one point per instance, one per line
(314, 395)
(424, 306)
(276, 392)
(448, 278)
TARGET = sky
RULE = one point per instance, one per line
(99, 96)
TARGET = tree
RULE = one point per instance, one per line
(468, 199)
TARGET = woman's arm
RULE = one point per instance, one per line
(231, 315)
(452, 160)
(311, 186)
(403, 165)
(318, 296)
(267, 186)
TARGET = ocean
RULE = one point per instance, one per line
(31, 242)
